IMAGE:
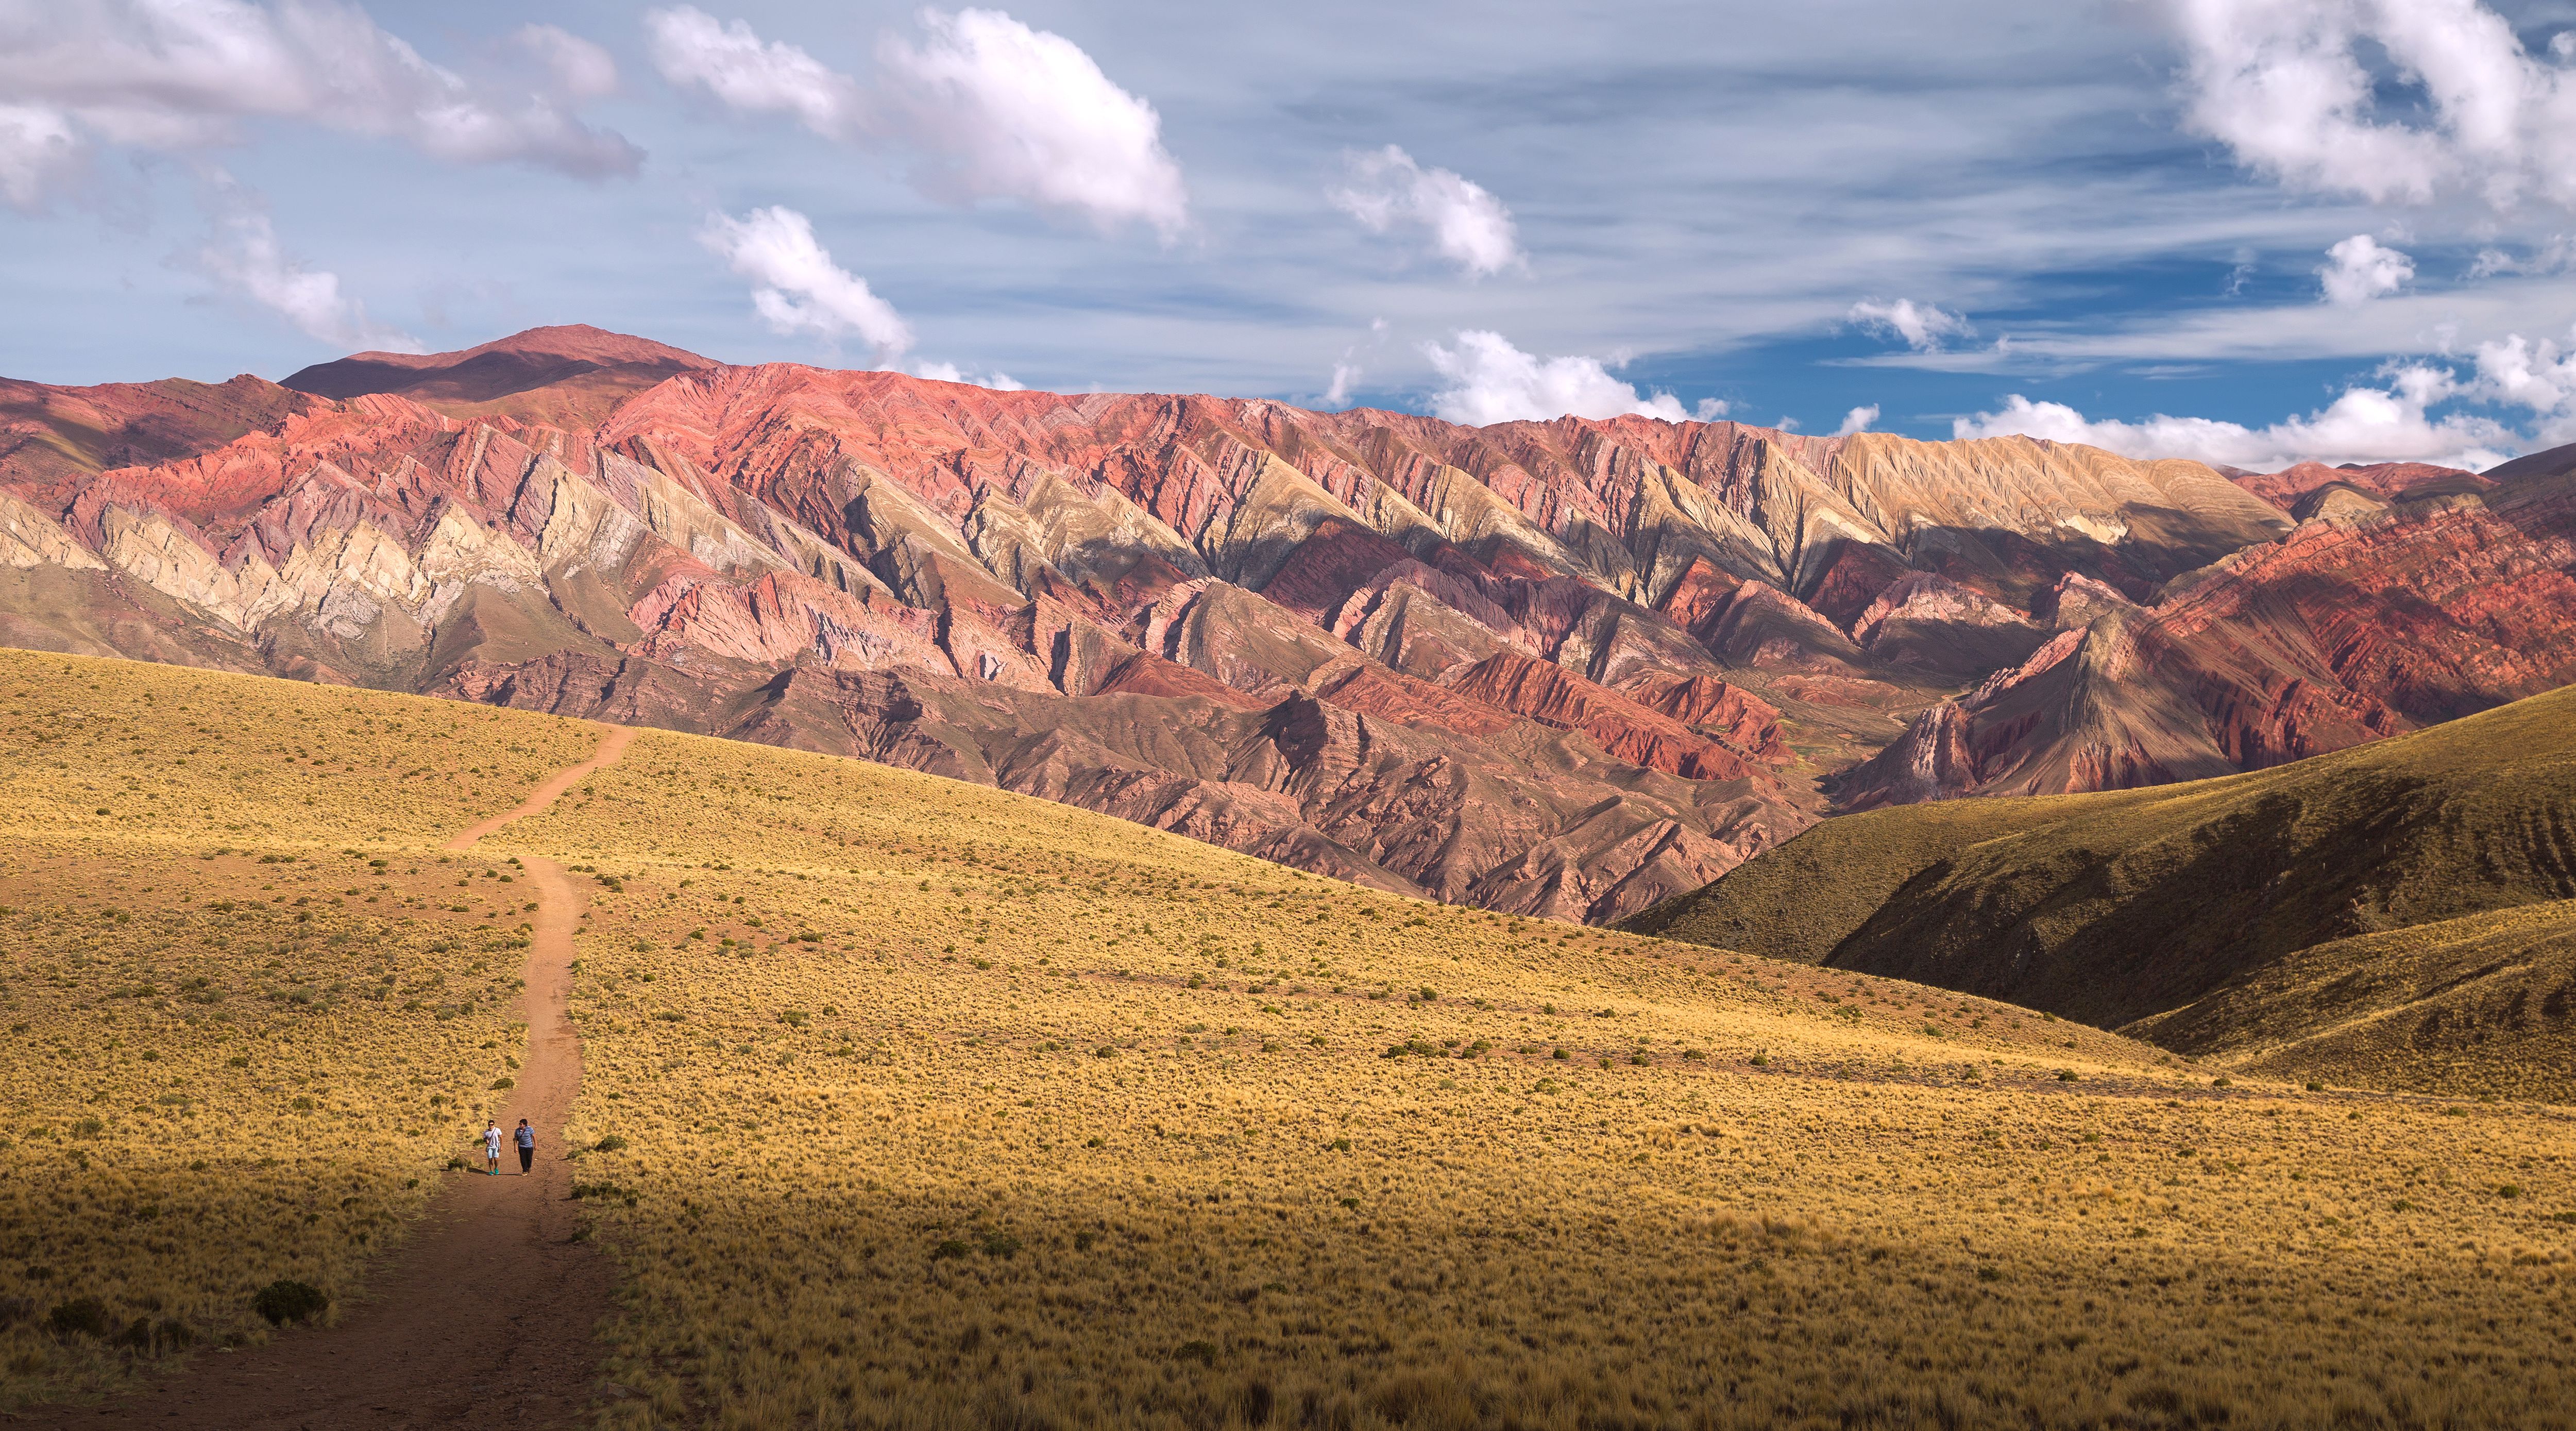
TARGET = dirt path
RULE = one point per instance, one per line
(487, 1313)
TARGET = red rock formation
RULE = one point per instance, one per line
(1542, 666)
(2342, 633)
(577, 375)
(2289, 487)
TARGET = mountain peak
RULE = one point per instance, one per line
(578, 342)
(568, 373)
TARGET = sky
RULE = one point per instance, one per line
(2244, 231)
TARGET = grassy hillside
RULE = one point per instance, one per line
(913, 1103)
(2393, 915)
(251, 1010)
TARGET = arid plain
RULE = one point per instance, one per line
(908, 1102)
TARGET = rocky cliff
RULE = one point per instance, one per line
(1567, 668)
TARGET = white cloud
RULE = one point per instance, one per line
(1491, 381)
(246, 257)
(2287, 85)
(998, 110)
(2538, 375)
(985, 107)
(749, 75)
(1857, 420)
(183, 75)
(1469, 226)
(2358, 270)
(2383, 424)
(1346, 377)
(997, 380)
(1708, 409)
(797, 286)
(1921, 325)
(38, 154)
(580, 68)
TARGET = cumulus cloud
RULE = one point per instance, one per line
(246, 258)
(2366, 424)
(998, 110)
(983, 108)
(749, 75)
(796, 285)
(2358, 270)
(185, 75)
(1921, 325)
(2289, 86)
(2536, 374)
(1468, 225)
(1491, 381)
(1857, 420)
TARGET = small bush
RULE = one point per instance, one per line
(954, 1249)
(81, 1316)
(610, 1144)
(1204, 1353)
(286, 1300)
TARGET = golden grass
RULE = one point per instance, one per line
(1059, 1122)
(250, 1014)
(981, 1111)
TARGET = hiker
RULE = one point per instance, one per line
(527, 1138)
(492, 1150)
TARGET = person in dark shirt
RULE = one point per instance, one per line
(527, 1140)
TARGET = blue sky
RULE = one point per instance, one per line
(2331, 228)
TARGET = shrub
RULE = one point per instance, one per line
(953, 1249)
(82, 1316)
(286, 1300)
(610, 1144)
(1204, 1353)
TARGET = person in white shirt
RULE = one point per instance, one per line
(492, 1150)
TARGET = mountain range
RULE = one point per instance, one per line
(1569, 668)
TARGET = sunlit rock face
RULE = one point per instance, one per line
(1567, 668)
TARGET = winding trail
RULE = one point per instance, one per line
(488, 1311)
